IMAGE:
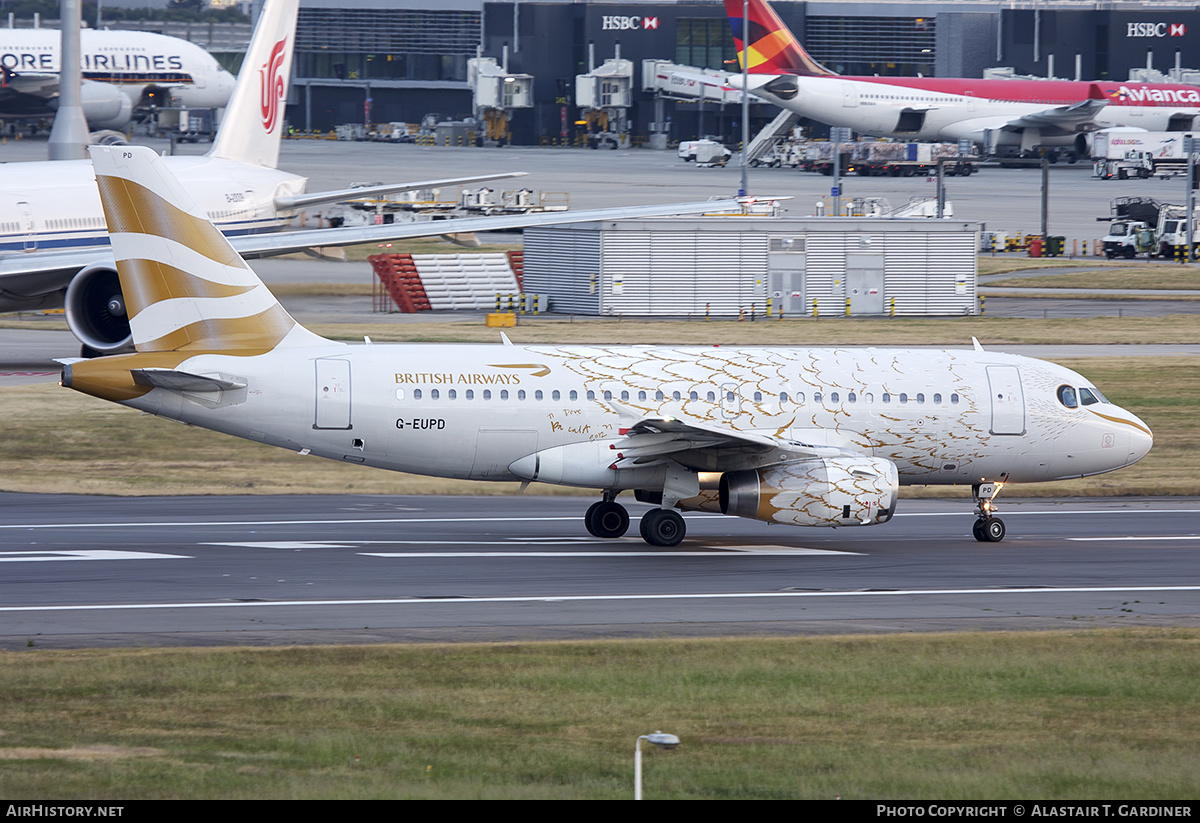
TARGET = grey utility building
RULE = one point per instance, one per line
(728, 265)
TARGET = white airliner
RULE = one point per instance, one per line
(1022, 114)
(54, 248)
(809, 437)
(122, 70)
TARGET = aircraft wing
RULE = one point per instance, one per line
(707, 445)
(336, 195)
(1071, 119)
(266, 245)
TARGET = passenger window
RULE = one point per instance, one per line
(487, 394)
(937, 398)
(758, 397)
(694, 395)
(783, 397)
(504, 394)
(591, 395)
(433, 394)
(624, 395)
(470, 394)
(853, 398)
(1066, 396)
(607, 395)
(574, 394)
(676, 396)
(416, 394)
(556, 395)
(452, 394)
(816, 397)
(711, 397)
(887, 398)
(658, 395)
(537, 395)
(520, 394)
(954, 398)
(833, 397)
(399, 394)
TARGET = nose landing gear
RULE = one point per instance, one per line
(988, 528)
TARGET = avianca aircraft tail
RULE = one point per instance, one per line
(186, 289)
(773, 49)
(253, 122)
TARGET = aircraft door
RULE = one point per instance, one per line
(333, 394)
(27, 225)
(1008, 400)
(849, 95)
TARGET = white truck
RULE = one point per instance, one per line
(1142, 225)
(1126, 153)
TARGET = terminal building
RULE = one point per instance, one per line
(400, 60)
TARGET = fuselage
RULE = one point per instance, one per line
(942, 417)
(950, 109)
(47, 205)
(130, 60)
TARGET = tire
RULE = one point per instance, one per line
(993, 529)
(607, 520)
(662, 527)
(1130, 252)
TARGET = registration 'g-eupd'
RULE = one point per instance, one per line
(807, 437)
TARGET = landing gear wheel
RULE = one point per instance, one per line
(662, 527)
(990, 530)
(606, 519)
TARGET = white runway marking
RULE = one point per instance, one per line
(964, 512)
(1138, 539)
(712, 551)
(84, 554)
(584, 598)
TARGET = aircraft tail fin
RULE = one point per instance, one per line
(772, 48)
(186, 289)
(253, 123)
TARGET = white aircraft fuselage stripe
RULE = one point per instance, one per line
(584, 598)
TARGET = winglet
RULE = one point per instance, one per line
(1096, 93)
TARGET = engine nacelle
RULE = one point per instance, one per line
(105, 106)
(836, 491)
(95, 309)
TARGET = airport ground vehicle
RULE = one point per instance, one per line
(1128, 153)
(1143, 225)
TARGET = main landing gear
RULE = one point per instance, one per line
(988, 528)
(659, 527)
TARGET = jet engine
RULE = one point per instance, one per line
(837, 491)
(105, 106)
(95, 310)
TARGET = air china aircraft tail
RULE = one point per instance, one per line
(773, 48)
(253, 124)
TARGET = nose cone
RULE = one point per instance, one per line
(1140, 439)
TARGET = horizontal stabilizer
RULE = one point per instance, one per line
(183, 381)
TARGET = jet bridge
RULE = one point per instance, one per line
(495, 93)
(604, 96)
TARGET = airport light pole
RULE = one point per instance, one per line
(661, 739)
(69, 134)
(745, 190)
(1189, 146)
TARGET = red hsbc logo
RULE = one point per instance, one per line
(1155, 29)
(612, 22)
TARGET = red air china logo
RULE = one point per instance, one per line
(1155, 29)
(273, 87)
(618, 23)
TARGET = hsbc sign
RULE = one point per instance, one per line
(618, 23)
(1155, 29)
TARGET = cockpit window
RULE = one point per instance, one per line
(1099, 396)
(1066, 396)
(1088, 396)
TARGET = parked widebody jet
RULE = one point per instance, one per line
(1021, 114)
(800, 436)
(54, 247)
(122, 71)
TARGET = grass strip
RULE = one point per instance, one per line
(1052, 715)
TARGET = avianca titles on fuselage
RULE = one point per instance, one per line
(1023, 113)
